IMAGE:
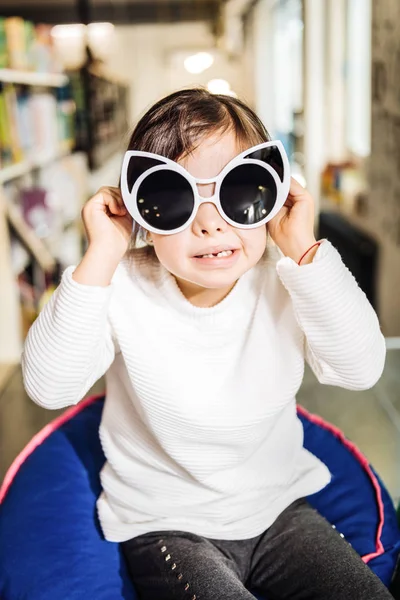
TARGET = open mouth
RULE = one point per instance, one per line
(222, 254)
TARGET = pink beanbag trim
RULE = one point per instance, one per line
(365, 465)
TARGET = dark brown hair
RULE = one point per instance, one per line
(175, 126)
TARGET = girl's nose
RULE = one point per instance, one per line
(208, 221)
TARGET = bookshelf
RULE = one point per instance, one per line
(60, 133)
(43, 178)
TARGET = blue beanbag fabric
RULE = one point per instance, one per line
(51, 546)
(356, 501)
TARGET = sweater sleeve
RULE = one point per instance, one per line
(344, 343)
(70, 344)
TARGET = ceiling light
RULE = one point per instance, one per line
(220, 86)
(100, 29)
(197, 63)
(73, 30)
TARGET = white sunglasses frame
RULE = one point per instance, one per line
(130, 197)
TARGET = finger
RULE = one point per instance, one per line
(114, 204)
(109, 188)
(298, 195)
(114, 189)
(115, 193)
(296, 189)
(279, 216)
(289, 202)
(111, 191)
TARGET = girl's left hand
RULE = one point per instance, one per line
(292, 229)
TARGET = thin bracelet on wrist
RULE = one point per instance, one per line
(307, 251)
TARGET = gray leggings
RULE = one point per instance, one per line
(299, 557)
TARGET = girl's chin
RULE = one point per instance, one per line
(212, 281)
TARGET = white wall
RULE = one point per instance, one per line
(335, 89)
(259, 63)
(358, 64)
(314, 87)
(145, 55)
(274, 62)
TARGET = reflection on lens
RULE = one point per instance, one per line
(248, 194)
(272, 156)
(165, 200)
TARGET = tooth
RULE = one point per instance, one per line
(222, 254)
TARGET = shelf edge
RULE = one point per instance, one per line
(33, 78)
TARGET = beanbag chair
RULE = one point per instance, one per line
(51, 545)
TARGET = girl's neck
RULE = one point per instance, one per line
(203, 297)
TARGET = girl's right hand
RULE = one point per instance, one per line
(107, 222)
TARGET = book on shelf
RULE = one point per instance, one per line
(25, 46)
(16, 43)
(3, 45)
(14, 126)
(34, 124)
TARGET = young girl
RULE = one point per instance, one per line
(202, 334)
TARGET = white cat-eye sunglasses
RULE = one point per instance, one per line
(163, 197)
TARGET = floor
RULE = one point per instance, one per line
(371, 419)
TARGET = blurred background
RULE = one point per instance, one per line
(75, 75)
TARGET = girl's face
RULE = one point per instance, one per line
(204, 280)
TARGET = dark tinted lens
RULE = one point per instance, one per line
(165, 200)
(137, 166)
(272, 157)
(248, 194)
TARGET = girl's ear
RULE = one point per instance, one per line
(147, 238)
(138, 165)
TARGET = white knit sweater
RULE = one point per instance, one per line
(199, 426)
